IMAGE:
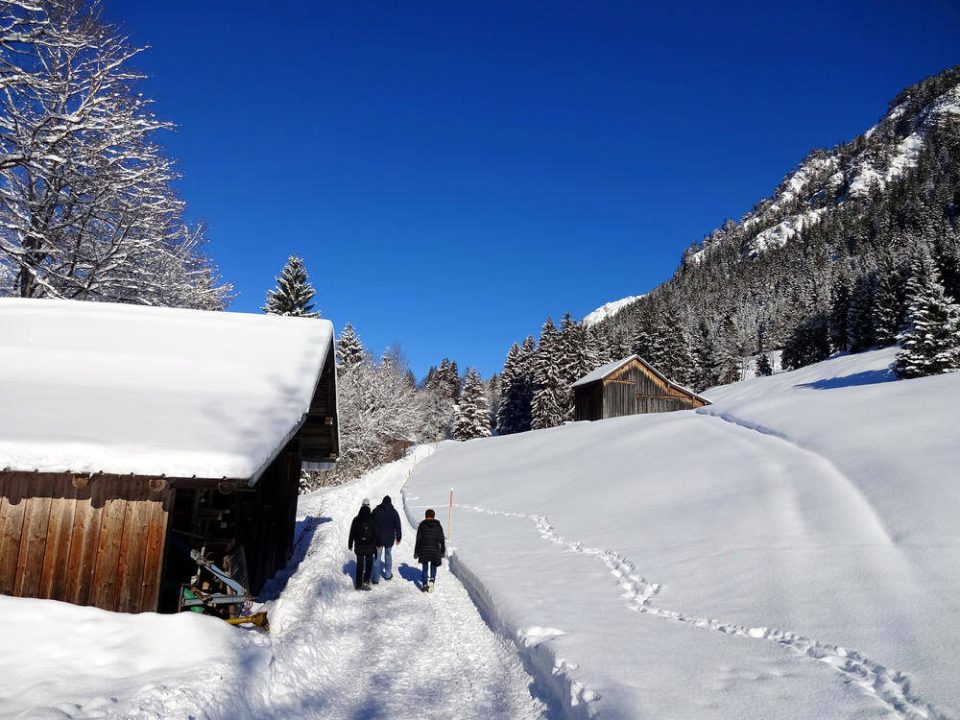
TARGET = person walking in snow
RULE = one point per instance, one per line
(429, 549)
(363, 541)
(387, 522)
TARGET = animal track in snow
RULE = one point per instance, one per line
(890, 687)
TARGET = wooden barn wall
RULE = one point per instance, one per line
(633, 390)
(101, 545)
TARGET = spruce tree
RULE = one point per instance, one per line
(861, 318)
(350, 351)
(808, 343)
(839, 310)
(643, 342)
(889, 306)
(473, 412)
(931, 339)
(294, 294)
(764, 369)
(547, 408)
(706, 358)
(598, 347)
(671, 349)
(731, 352)
(514, 401)
(572, 361)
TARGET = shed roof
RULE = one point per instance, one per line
(607, 370)
(94, 387)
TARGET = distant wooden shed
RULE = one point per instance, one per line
(123, 426)
(631, 386)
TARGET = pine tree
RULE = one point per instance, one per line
(931, 339)
(514, 402)
(643, 341)
(572, 361)
(547, 408)
(731, 352)
(350, 351)
(598, 348)
(889, 306)
(473, 412)
(808, 343)
(293, 294)
(670, 349)
(764, 369)
(706, 358)
(861, 323)
(839, 310)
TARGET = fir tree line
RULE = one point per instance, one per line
(381, 408)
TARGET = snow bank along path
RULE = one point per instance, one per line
(774, 520)
(331, 652)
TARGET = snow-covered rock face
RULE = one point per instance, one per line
(888, 150)
(609, 310)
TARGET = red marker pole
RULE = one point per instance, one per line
(450, 516)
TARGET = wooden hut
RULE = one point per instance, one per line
(123, 427)
(630, 387)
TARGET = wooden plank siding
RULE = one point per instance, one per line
(100, 545)
(631, 390)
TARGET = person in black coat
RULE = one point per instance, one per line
(363, 541)
(387, 521)
(430, 548)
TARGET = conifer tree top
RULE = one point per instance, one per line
(294, 294)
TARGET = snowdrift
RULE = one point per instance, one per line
(788, 552)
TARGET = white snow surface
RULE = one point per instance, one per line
(791, 551)
(609, 310)
(331, 652)
(95, 387)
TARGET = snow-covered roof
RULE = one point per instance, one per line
(606, 370)
(601, 372)
(94, 387)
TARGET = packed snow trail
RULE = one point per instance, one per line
(334, 652)
(393, 652)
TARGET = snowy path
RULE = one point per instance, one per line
(335, 653)
(393, 652)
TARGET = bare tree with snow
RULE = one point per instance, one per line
(87, 210)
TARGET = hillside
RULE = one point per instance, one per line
(782, 553)
(820, 265)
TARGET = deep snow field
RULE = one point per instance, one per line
(792, 551)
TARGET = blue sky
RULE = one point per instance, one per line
(455, 172)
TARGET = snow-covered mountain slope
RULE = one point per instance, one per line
(791, 551)
(857, 170)
(608, 310)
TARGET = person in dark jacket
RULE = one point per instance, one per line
(387, 521)
(363, 541)
(430, 548)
